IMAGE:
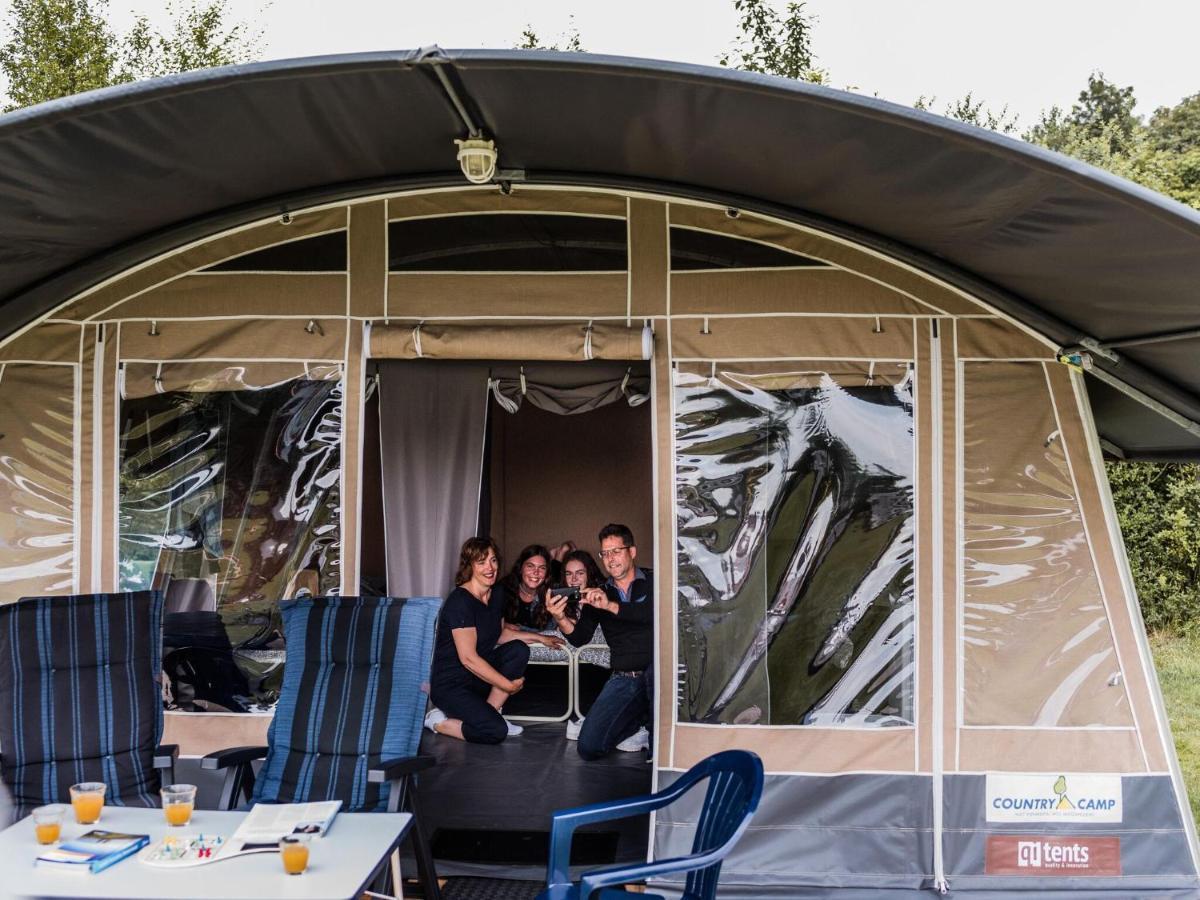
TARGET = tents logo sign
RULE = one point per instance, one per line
(1026, 854)
(1054, 798)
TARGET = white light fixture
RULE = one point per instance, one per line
(477, 158)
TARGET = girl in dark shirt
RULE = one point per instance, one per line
(477, 663)
(524, 590)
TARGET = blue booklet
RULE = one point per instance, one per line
(92, 852)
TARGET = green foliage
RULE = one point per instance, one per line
(773, 44)
(1177, 659)
(1159, 510)
(1101, 129)
(973, 112)
(55, 48)
(570, 39)
(201, 37)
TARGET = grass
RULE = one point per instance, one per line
(1178, 662)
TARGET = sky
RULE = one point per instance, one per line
(1028, 55)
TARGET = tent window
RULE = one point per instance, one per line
(323, 253)
(509, 242)
(233, 495)
(694, 250)
(1037, 646)
(795, 530)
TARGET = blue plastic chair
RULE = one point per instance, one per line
(735, 784)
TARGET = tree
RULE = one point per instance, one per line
(55, 48)
(570, 38)
(973, 112)
(775, 45)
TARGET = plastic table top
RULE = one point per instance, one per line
(341, 864)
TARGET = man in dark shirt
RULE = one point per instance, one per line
(624, 608)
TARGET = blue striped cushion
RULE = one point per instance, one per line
(80, 697)
(354, 692)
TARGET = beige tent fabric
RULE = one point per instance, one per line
(787, 374)
(145, 379)
(49, 342)
(353, 398)
(203, 255)
(226, 294)
(238, 339)
(771, 337)
(802, 749)
(926, 516)
(946, 431)
(37, 491)
(811, 290)
(1067, 387)
(1048, 750)
(368, 259)
(998, 339)
(108, 462)
(1037, 647)
(86, 513)
(649, 258)
(664, 547)
(487, 295)
(502, 341)
(941, 299)
(490, 200)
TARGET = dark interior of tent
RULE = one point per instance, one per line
(547, 477)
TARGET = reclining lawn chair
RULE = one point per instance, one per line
(348, 722)
(81, 697)
(735, 784)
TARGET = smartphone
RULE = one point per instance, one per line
(572, 595)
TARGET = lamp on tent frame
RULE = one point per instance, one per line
(477, 158)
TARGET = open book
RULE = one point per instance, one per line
(266, 823)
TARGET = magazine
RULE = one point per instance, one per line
(266, 823)
(92, 852)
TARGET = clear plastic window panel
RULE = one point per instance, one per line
(795, 541)
(37, 497)
(229, 501)
(1037, 646)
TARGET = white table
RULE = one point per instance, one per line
(340, 865)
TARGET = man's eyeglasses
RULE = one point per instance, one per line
(610, 553)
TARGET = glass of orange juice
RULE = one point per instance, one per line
(87, 799)
(178, 801)
(294, 853)
(47, 822)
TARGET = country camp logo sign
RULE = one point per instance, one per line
(1054, 798)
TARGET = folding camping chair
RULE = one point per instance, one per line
(79, 683)
(348, 723)
(735, 784)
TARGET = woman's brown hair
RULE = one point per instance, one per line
(473, 550)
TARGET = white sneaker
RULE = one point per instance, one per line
(573, 728)
(432, 718)
(639, 740)
(513, 729)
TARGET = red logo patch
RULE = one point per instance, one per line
(1032, 854)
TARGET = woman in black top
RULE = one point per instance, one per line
(525, 589)
(477, 664)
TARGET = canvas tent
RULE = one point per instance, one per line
(885, 354)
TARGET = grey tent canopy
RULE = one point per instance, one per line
(93, 183)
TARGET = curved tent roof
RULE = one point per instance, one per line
(94, 183)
